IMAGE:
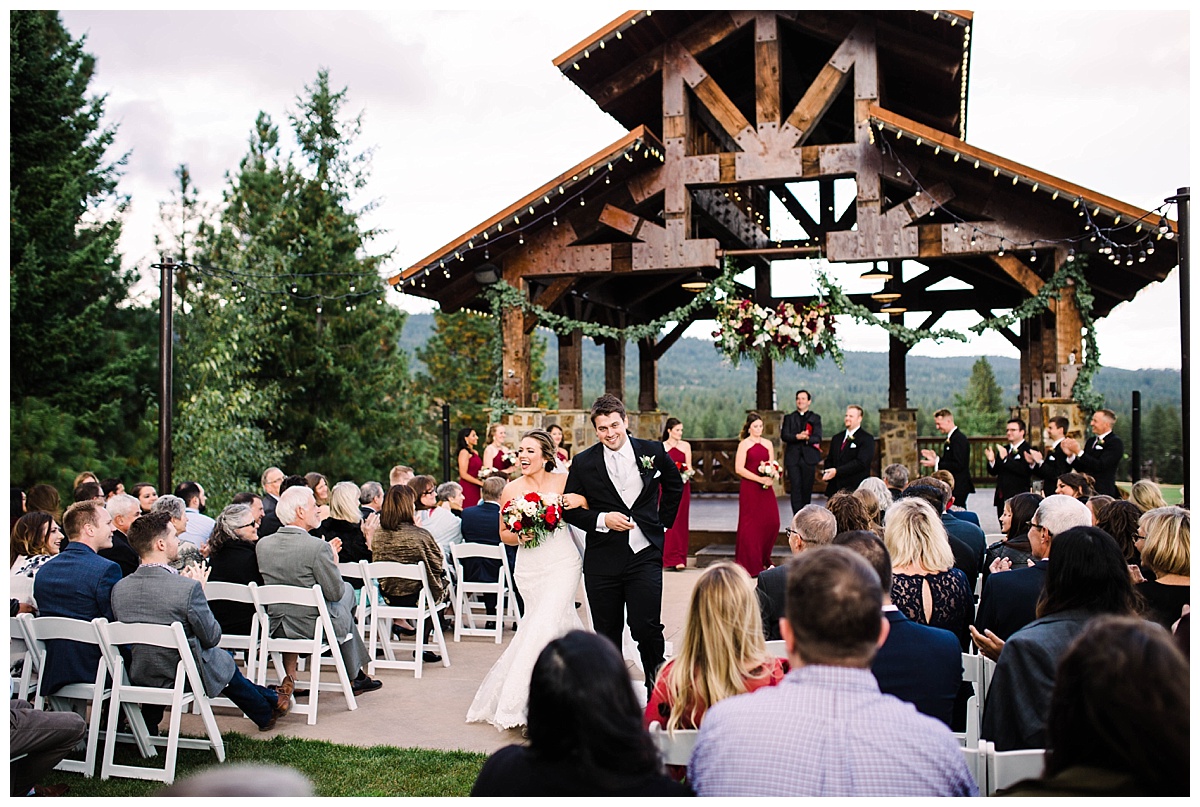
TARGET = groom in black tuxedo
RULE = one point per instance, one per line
(633, 490)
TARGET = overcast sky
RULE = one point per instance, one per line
(466, 114)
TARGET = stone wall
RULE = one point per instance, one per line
(898, 433)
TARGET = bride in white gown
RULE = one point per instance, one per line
(547, 576)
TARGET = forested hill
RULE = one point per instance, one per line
(711, 395)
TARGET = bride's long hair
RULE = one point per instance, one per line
(546, 444)
(722, 645)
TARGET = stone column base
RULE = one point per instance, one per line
(898, 434)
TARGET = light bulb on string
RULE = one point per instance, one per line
(1070, 256)
(554, 223)
(319, 309)
(521, 238)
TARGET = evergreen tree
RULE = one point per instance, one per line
(309, 311)
(980, 409)
(82, 358)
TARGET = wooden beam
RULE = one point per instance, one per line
(1013, 339)
(930, 320)
(1015, 268)
(710, 94)
(817, 100)
(796, 210)
(897, 368)
(614, 367)
(570, 370)
(647, 376)
(767, 83)
(547, 297)
(671, 338)
(515, 350)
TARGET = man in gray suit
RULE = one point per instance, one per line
(293, 557)
(158, 594)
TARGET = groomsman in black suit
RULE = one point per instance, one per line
(956, 456)
(801, 434)
(1053, 464)
(633, 491)
(1102, 453)
(850, 455)
(1008, 464)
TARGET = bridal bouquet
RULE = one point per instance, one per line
(533, 517)
(686, 471)
(771, 469)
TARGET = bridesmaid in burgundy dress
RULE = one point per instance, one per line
(758, 512)
(469, 463)
(675, 541)
(493, 452)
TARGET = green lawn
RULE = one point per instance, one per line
(335, 770)
(1173, 494)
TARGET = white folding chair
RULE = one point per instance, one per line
(188, 689)
(675, 746)
(975, 756)
(354, 570)
(18, 651)
(970, 737)
(465, 603)
(323, 640)
(247, 644)
(1006, 768)
(382, 616)
(973, 673)
(72, 697)
(777, 648)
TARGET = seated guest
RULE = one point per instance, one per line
(1147, 495)
(399, 539)
(146, 495)
(955, 509)
(400, 475)
(199, 526)
(1010, 598)
(44, 499)
(232, 559)
(1105, 736)
(1166, 545)
(84, 476)
(370, 499)
(1121, 520)
(585, 735)
(112, 486)
(88, 490)
(159, 595)
(723, 652)
(1077, 485)
(42, 739)
(1085, 577)
(917, 663)
(35, 539)
(883, 496)
(812, 526)
(1014, 521)
(123, 509)
(77, 583)
(940, 495)
(189, 553)
(926, 586)
(254, 502)
(1098, 504)
(439, 519)
(826, 729)
(270, 521)
(870, 503)
(481, 525)
(295, 557)
(850, 512)
(346, 522)
(896, 477)
(319, 485)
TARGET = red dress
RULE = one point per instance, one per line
(758, 517)
(471, 491)
(675, 541)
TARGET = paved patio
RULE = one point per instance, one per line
(430, 712)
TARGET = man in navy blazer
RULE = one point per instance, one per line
(918, 663)
(77, 583)
(481, 525)
(1009, 600)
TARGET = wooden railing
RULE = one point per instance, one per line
(978, 462)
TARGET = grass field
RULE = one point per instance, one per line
(335, 770)
(1173, 494)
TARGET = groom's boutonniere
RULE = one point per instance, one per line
(647, 462)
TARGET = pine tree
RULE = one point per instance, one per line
(980, 408)
(82, 358)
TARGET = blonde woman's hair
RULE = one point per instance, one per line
(1168, 547)
(343, 502)
(914, 534)
(722, 644)
(1147, 495)
(491, 430)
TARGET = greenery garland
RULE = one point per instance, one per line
(832, 300)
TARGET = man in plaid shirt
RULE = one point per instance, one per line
(826, 729)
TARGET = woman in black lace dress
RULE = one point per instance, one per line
(926, 586)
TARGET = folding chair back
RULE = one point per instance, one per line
(464, 606)
(354, 571)
(247, 644)
(188, 689)
(18, 651)
(976, 758)
(383, 614)
(676, 747)
(777, 648)
(1006, 768)
(36, 631)
(323, 640)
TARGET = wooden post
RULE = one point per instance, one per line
(515, 360)
(614, 367)
(647, 375)
(570, 370)
(764, 396)
(897, 369)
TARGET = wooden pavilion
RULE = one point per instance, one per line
(726, 109)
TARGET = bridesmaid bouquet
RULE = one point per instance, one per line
(487, 471)
(533, 517)
(771, 469)
(686, 471)
(509, 455)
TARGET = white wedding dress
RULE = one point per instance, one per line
(547, 577)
